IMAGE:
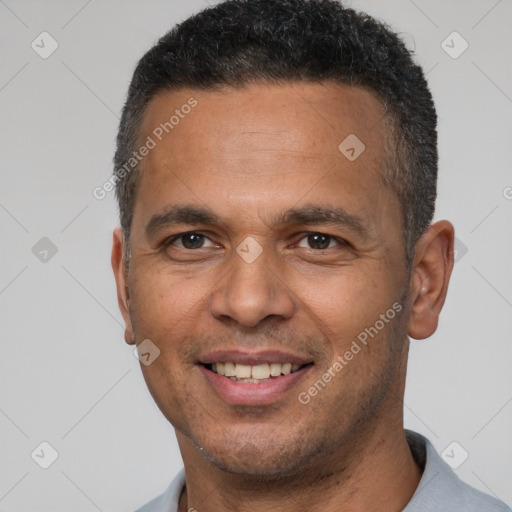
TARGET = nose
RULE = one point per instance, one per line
(251, 292)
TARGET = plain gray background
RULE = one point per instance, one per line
(67, 377)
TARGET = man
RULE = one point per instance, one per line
(276, 172)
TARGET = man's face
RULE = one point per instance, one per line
(263, 162)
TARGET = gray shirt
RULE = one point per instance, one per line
(439, 490)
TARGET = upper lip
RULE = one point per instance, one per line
(252, 358)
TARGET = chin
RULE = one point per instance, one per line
(267, 458)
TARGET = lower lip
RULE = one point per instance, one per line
(252, 393)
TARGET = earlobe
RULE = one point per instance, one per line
(120, 274)
(432, 267)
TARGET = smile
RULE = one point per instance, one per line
(259, 384)
(253, 373)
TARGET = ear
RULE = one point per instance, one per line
(119, 268)
(431, 271)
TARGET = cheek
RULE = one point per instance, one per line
(162, 300)
(344, 301)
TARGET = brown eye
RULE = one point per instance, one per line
(190, 240)
(318, 241)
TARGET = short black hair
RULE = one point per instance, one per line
(238, 42)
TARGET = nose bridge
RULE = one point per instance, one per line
(252, 289)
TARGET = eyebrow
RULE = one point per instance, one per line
(305, 215)
(185, 214)
(327, 215)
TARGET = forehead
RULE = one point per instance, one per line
(264, 144)
(306, 115)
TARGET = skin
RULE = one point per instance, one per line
(250, 154)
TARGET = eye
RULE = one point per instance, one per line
(320, 241)
(191, 240)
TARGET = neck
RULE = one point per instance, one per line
(377, 474)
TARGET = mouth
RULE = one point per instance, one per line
(254, 374)
(253, 379)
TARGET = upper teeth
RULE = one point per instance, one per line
(259, 371)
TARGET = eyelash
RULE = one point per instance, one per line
(341, 242)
